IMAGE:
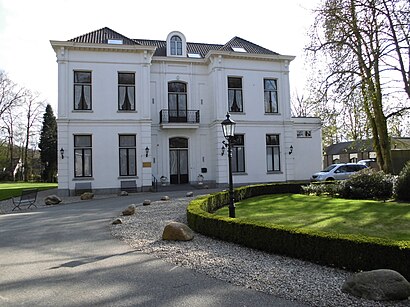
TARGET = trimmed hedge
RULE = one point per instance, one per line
(350, 252)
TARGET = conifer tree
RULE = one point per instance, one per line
(48, 145)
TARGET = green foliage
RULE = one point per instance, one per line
(330, 188)
(48, 145)
(367, 184)
(403, 184)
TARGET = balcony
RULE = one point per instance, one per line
(185, 119)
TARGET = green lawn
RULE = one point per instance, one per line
(389, 220)
(8, 190)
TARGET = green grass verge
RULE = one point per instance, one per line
(13, 189)
(386, 220)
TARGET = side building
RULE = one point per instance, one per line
(133, 111)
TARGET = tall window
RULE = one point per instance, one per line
(128, 160)
(238, 154)
(176, 45)
(82, 90)
(271, 95)
(273, 152)
(126, 91)
(177, 101)
(82, 156)
(235, 103)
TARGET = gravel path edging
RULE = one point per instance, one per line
(284, 277)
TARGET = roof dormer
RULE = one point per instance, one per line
(176, 44)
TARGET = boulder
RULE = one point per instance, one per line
(189, 194)
(52, 200)
(117, 221)
(175, 231)
(123, 193)
(87, 196)
(129, 211)
(146, 202)
(165, 197)
(378, 285)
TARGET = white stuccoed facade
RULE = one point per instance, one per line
(206, 94)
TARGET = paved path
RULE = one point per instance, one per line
(65, 256)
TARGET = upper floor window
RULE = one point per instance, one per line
(128, 155)
(126, 91)
(271, 95)
(176, 45)
(177, 101)
(82, 90)
(82, 156)
(238, 154)
(235, 103)
(272, 152)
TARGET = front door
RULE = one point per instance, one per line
(178, 160)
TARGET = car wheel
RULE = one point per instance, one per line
(330, 179)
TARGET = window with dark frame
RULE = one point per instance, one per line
(82, 90)
(235, 101)
(238, 154)
(128, 155)
(272, 152)
(82, 156)
(177, 101)
(176, 45)
(270, 95)
(126, 91)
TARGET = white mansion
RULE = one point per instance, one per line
(132, 111)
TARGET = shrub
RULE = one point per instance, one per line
(367, 184)
(403, 184)
(331, 188)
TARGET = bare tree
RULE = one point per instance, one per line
(33, 108)
(10, 93)
(357, 40)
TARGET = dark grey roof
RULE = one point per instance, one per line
(102, 36)
(248, 46)
(364, 146)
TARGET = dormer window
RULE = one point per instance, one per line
(176, 45)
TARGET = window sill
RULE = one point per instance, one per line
(240, 174)
(82, 178)
(82, 111)
(127, 111)
(272, 113)
(127, 177)
(274, 173)
(237, 113)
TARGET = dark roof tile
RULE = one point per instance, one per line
(102, 36)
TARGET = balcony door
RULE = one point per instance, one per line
(178, 160)
(177, 102)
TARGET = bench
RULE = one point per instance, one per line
(129, 186)
(82, 187)
(27, 198)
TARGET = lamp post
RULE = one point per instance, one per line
(228, 128)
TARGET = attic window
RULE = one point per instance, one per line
(115, 41)
(194, 55)
(239, 49)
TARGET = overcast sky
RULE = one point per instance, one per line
(27, 26)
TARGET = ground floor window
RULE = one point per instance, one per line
(272, 152)
(128, 155)
(82, 156)
(238, 154)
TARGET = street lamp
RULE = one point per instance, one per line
(228, 128)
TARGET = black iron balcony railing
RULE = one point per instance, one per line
(179, 116)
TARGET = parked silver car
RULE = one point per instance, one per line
(338, 171)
